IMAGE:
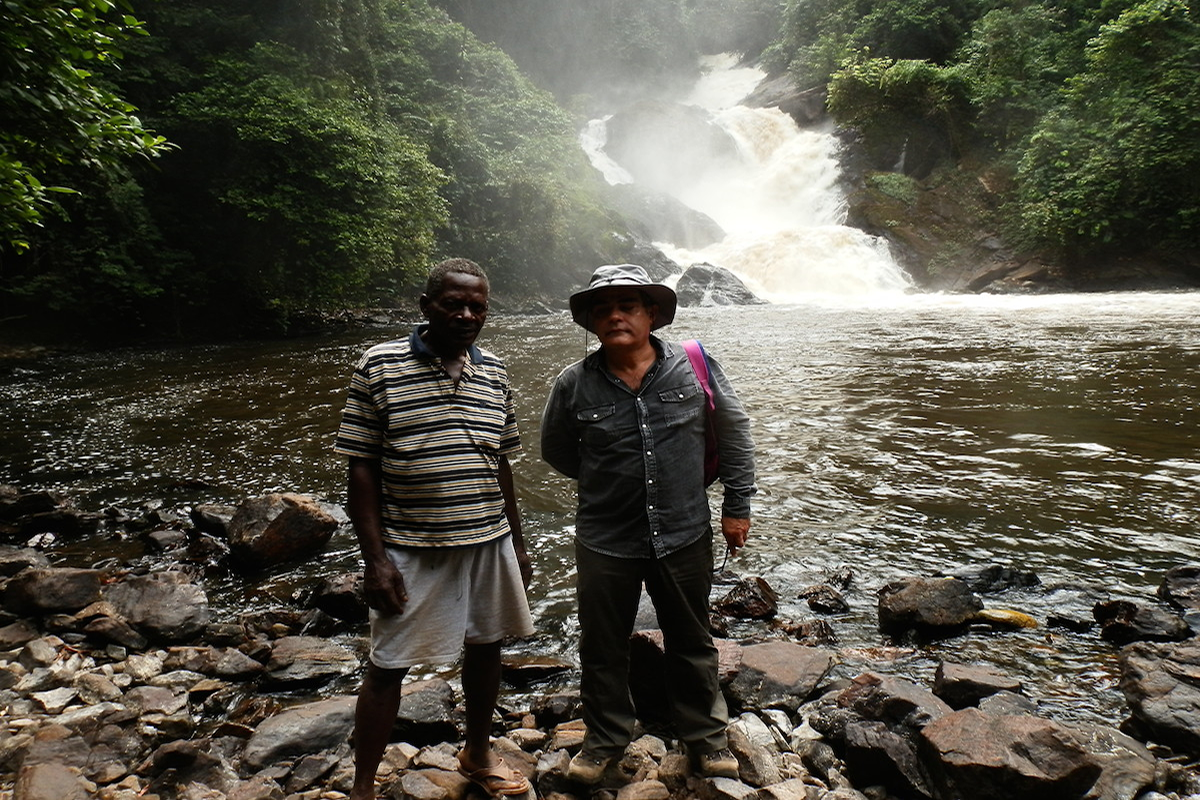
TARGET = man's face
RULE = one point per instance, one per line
(457, 313)
(621, 318)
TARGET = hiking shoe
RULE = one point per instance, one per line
(718, 764)
(586, 768)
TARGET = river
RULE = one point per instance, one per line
(911, 435)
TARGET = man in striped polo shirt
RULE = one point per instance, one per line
(428, 427)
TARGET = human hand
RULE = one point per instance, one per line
(735, 531)
(383, 588)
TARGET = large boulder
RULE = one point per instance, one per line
(1161, 684)
(278, 528)
(708, 285)
(166, 606)
(805, 106)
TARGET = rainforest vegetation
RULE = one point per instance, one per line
(182, 167)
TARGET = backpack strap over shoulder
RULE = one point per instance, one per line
(696, 355)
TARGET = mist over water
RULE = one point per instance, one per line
(779, 201)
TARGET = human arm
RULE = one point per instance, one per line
(509, 492)
(560, 442)
(736, 451)
(383, 585)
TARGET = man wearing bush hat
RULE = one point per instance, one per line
(628, 423)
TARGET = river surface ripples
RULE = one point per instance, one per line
(913, 434)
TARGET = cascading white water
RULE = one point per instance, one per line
(779, 203)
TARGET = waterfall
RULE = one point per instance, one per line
(780, 203)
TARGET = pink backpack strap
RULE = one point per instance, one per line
(696, 355)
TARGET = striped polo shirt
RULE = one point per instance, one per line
(439, 444)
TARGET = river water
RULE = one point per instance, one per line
(912, 435)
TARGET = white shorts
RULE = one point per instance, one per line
(456, 596)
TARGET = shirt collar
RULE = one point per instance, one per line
(421, 349)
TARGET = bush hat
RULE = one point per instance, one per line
(618, 275)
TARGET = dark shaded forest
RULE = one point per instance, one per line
(215, 168)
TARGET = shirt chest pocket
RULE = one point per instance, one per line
(681, 403)
(598, 424)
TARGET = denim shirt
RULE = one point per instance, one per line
(639, 456)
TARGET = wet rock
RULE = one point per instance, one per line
(812, 633)
(526, 670)
(38, 591)
(824, 599)
(926, 605)
(709, 285)
(278, 528)
(749, 599)
(1007, 703)
(805, 106)
(728, 789)
(644, 790)
(972, 754)
(213, 518)
(302, 730)
(14, 559)
(106, 625)
(52, 782)
(792, 789)
(1161, 684)
(1123, 622)
(166, 540)
(777, 675)
(552, 709)
(224, 662)
(427, 713)
(1180, 587)
(756, 750)
(894, 701)
(299, 661)
(166, 606)
(17, 634)
(341, 597)
(992, 578)
(189, 762)
(1127, 767)
(876, 755)
(963, 685)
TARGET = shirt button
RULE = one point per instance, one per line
(681, 395)
(655, 533)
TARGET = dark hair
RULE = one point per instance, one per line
(462, 266)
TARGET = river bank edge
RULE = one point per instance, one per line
(119, 684)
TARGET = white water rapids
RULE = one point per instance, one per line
(779, 202)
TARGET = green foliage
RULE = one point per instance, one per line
(318, 200)
(328, 152)
(884, 96)
(818, 36)
(1116, 164)
(56, 106)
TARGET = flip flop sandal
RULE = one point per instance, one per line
(496, 780)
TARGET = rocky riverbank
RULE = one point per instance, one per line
(119, 682)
